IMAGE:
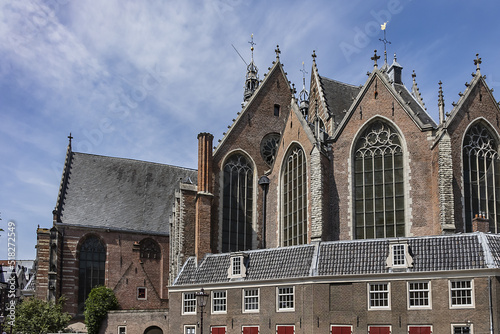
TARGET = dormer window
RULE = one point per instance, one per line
(237, 268)
(399, 256)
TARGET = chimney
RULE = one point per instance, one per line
(480, 224)
(203, 230)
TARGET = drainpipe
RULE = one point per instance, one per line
(491, 303)
(264, 183)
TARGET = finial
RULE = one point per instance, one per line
(304, 72)
(70, 137)
(413, 75)
(441, 103)
(477, 62)
(375, 58)
(277, 52)
(314, 55)
(385, 41)
(395, 58)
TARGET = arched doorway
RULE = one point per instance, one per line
(153, 330)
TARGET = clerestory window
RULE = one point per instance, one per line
(481, 177)
(379, 183)
(237, 229)
(294, 198)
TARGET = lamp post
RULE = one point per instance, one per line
(201, 299)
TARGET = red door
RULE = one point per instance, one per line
(380, 330)
(419, 330)
(341, 330)
(218, 330)
(250, 330)
(285, 329)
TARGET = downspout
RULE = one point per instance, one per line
(264, 183)
(490, 299)
(61, 263)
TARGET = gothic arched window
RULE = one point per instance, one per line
(379, 184)
(91, 270)
(237, 229)
(150, 249)
(481, 177)
(294, 198)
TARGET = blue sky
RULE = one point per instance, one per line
(140, 79)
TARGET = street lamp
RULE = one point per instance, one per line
(201, 299)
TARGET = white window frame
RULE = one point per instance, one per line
(472, 297)
(399, 255)
(186, 300)
(216, 297)
(388, 291)
(471, 327)
(278, 295)
(186, 327)
(244, 297)
(337, 325)
(429, 295)
(237, 268)
(122, 327)
(376, 326)
(145, 293)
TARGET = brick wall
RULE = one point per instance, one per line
(42, 263)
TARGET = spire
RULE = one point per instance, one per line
(441, 103)
(304, 95)
(252, 76)
(415, 91)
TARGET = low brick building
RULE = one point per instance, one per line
(437, 284)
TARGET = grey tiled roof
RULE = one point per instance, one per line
(358, 257)
(421, 115)
(120, 193)
(339, 96)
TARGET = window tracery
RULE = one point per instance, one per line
(150, 249)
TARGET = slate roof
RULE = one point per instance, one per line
(341, 258)
(339, 96)
(120, 193)
(421, 115)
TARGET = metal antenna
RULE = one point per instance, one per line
(239, 55)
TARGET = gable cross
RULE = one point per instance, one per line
(314, 55)
(375, 58)
(277, 51)
(477, 61)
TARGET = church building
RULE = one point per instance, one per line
(330, 166)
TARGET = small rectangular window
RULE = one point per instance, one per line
(379, 329)
(379, 296)
(189, 329)
(461, 329)
(122, 329)
(236, 265)
(285, 329)
(218, 330)
(285, 298)
(419, 329)
(461, 293)
(142, 293)
(419, 295)
(277, 110)
(189, 303)
(250, 300)
(398, 255)
(341, 329)
(250, 329)
(219, 302)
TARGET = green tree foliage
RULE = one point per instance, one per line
(37, 316)
(99, 302)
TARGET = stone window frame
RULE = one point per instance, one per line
(493, 153)
(399, 255)
(379, 296)
(470, 296)
(428, 290)
(286, 220)
(189, 303)
(237, 266)
(252, 197)
(246, 300)
(285, 298)
(139, 289)
(219, 302)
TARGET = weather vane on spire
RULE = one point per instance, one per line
(252, 44)
(385, 41)
(304, 72)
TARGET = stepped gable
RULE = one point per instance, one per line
(120, 194)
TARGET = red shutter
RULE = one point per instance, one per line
(250, 330)
(341, 330)
(420, 330)
(285, 330)
(218, 330)
(380, 330)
